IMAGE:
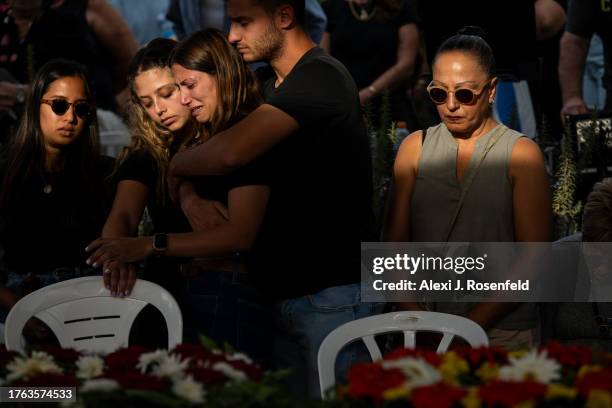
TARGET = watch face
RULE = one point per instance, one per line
(160, 242)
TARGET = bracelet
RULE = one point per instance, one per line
(372, 89)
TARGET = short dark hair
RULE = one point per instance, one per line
(597, 216)
(298, 8)
(471, 39)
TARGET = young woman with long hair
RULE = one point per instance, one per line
(219, 90)
(160, 125)
(54, 194)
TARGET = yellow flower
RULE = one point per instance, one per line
(487, 372)
(599, 399)
(585, 369)
(517, 353)
(560, 391)
(396, 393)
(452, 366)
(471, 400)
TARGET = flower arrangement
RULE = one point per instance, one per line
(187, 375)
(552, 376)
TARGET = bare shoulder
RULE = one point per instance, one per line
(412, 143)
(527, 163)
(409, 152)
(526, 151)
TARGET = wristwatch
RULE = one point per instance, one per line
(160, 243)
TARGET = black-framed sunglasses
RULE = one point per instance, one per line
(60, 106)
(464, 96)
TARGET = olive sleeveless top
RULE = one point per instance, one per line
(486, 213)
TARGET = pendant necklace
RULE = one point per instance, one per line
(48, 183)
(363, 14)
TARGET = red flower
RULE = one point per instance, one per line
(252, 371)
(480, 355)
(371, 380)
(569, 355)
(600, 380)
(65, 356)
(193, 352)
(509, 393)
(47, 380)
(124, 359)
(429, 356)
(138, 381)
(439, 395)
(207, 376)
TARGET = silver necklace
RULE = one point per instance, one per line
(48, 183)
(363, 14)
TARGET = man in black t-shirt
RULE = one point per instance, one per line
(307, 254)
(584, 18)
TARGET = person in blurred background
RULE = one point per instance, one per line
(584, 18)
(89, 32)
(377, 41)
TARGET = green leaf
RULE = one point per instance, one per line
(208, 343)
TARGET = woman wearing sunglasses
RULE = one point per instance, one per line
(471, 179)
(54, 197)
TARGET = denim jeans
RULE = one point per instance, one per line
(15, 281)
(302, 324)
(225, 307)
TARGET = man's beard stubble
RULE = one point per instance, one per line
(270, 45)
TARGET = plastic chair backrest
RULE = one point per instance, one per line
(84, 316)
(408, 322)
(113, 142)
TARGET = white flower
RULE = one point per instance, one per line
(146, 359)
(418, 372)
(532, 365)
(171, 367)
(71, 404)
(39, 362)
(89, 367)
(99, 384)
(229, 371)
(240, 357)
(189, 389)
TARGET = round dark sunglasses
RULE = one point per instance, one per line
(60, 106)
(465, 96)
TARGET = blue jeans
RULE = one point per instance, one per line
(302, 324)
(226, 308)
(15, 281)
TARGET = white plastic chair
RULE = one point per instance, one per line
(408, 322)
(84, 316)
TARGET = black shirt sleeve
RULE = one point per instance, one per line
(581, 17)
(408, 13)
(138, 166)
(314, 92)
(255, 173)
